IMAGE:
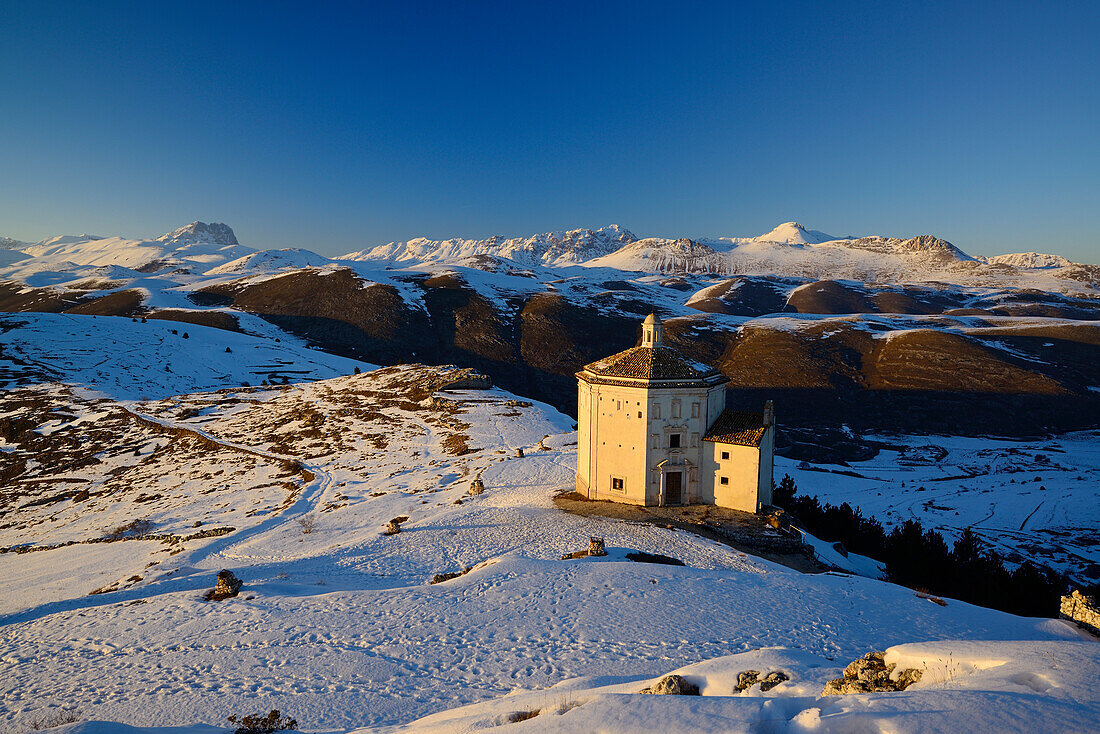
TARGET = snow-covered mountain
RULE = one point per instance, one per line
(215, 233)
(7, 243)
(788, 250)
(793, 233)
(196, 247)
(1031, 260)
(551, 248)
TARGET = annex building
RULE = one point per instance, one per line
(653, 429)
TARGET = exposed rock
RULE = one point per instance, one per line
(871, 674)
(441, 577)
(672, 685)
(596, 547)
(746, 679)
(228, 585)
(214, 233)
(392, 528)
(477, 486)
(773, 679)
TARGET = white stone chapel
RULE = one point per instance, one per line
(653, 429)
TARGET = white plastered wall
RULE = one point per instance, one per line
(617, 443)
(743, 473)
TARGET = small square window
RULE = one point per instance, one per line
(617, 483)
(639, 414)
(674, 440)
(725, 455)
(723, 480)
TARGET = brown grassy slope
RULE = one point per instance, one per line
(822, 356)
(829, 297)
(215, 319)
(744, 297)
(119, 303)
(933, 360)
(337, 310)
(18, 297)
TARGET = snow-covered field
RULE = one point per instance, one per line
(1037, 499)
(338, 626)
(126, 358)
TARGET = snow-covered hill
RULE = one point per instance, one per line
(337, 624)
(130, 359)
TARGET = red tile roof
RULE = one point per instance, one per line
(651, 363)
(737, 427)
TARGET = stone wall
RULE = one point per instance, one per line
(1083, 610)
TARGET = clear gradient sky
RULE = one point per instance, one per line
(336, 126)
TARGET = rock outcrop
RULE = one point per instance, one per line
(871, 674)
(228, 585)
(672, 685)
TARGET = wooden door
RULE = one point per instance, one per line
(673, 494)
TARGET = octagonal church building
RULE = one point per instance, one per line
(653, 429)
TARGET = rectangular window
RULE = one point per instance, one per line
(675, 408)
(723, 480)
(694, 440)
(639, 414)
(725, 455)
(674, 440)
(657, 410)
(617, 484)
(695, 410)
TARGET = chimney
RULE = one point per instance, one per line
(769, 413)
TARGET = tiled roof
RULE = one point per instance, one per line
(737, 427)
(651, 363)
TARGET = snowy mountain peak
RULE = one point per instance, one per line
(793, 233)
(7, 243)
(1031, 260)
(214, 233)
(617, 232)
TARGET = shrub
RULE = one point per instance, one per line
(258, 724)
(53, 720)
(132, 529)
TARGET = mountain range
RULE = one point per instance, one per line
(872, 332)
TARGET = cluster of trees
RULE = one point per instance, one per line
(921, 559)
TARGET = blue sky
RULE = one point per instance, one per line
(334, 126)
